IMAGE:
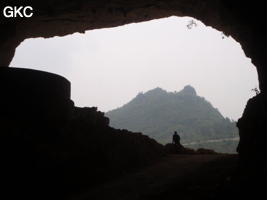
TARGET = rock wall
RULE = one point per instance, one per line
(252, 148)
(252, 127)
(31, 95)
(51, 148)
(51, 159)
(170, 149)
(243, 20)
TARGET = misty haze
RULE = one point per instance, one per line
(163, 109)
(108, 67)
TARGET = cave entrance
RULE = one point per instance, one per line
(109, 67)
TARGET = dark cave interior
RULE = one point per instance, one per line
(36, 106)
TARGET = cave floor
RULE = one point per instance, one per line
(179, 176)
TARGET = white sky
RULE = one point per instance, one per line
(108, 67)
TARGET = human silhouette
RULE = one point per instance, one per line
(176, 141)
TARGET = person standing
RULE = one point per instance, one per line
(176, 141)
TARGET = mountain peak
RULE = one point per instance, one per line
(188, 89)
(157, 113)
(157, 90)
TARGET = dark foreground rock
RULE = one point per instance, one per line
(175, 176)
(50, 149)
(170, 148)
(53, 158)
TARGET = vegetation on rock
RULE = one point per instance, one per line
(158, 113)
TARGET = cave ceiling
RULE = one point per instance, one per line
(242, 20)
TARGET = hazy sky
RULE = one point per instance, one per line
(109, 67)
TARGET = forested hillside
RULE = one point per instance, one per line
(158, 113)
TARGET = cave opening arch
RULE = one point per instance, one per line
(147, 46)
(243, 20)
(197, 68)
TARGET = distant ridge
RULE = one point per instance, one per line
(158, 113)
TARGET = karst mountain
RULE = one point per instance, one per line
(158, 113)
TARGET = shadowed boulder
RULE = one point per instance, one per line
(170, 148)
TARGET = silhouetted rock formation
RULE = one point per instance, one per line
(52, 157)
(252, 147)
(243, 20)
(52, 150)
(91, 115)
(32, 95)
(58, 18)
(170, 148)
